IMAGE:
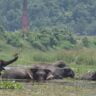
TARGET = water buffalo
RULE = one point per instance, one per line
(41, 74)
(16, 73)
(57, 72)
(60, 73)
(89, 76)
(26, 74)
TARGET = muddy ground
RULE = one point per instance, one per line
(54, 88)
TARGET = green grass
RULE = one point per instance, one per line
(10, 85)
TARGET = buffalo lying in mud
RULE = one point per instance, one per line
(4, 63)
(40, 72)
(60, 73)
(58, 70)
(25, 74)
(89, 76)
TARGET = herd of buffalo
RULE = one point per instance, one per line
(39, 72)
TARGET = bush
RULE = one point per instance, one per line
(85, 42)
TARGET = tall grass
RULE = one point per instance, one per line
(82, 56)
(29, 56)
(80, 60)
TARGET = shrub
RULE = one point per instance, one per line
(85, 42)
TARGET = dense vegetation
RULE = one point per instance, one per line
(53, 24)
(78, 16)
(47, 39)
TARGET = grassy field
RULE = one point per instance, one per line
(80, 60)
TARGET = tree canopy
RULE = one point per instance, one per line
(78, 15)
